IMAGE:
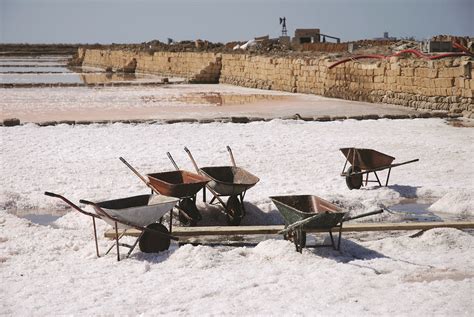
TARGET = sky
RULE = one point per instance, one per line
(121, 21)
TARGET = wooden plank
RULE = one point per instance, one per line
(248, 230)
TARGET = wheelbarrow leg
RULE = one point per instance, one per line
(344, 168)
(117, 238)
(244, 212)
(332, 239)
(212, 200)
(117, 241)
(339, 239)
(388, 176)
(171, 220)
(204, 194)
(378, 180)
(366, 179)
(299, 238)
(95, 237)
(132, 247)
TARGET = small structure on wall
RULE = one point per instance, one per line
(307, 36)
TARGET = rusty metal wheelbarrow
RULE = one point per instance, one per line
(229, 181)
(140, 212)
(303, 212)
(366, 161)
(179, 184)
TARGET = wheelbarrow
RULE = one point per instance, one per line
(366, 161)
(179, 184)
(231, 181)
(140, 212)
(303, 212)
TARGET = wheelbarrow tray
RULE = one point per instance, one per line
(367, 159)
(179, 184)
(229, 180)
(299, 207)
(137, 210)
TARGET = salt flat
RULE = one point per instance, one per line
(48, 270)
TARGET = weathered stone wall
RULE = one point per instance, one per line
(444, 84)
(436, 85)
(196, 67)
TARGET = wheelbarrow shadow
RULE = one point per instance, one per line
(154, 258)
(256, 216)
(349, 251)
(405, 191)
(213, 215)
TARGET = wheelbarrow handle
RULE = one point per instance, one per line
(86, 202)
(172, 161)
(364, 215)
(67, 201)
(231, 155)
(134, 170)
(52, 194)
(192, 159)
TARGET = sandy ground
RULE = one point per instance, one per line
(172, 102)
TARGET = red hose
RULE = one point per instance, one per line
(411, 51)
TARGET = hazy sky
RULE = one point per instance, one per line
(121, 21)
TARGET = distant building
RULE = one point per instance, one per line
(385, 37)
(304, 36)
(307, 36)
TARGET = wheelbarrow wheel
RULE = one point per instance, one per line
(299, 239)
(189, 215)
(353, 181)
(234, 211)
(151, 242)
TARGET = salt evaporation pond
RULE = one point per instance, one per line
(54, 70)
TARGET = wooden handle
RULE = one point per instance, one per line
(231, 155)
(172, 161)
(364, 215)
(192, 159)
(134, 170)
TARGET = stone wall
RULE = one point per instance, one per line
(195, 67)
(444, 84)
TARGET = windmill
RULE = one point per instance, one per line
(283, 27)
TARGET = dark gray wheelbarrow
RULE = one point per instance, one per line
(303, 212)
(229, 181)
